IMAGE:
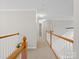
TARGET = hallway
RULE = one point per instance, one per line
(42, 52)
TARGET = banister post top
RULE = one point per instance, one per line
(24, 38)
(24, 44)
(17, 33)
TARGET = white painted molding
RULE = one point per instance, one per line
(18, 9)
(32, 47)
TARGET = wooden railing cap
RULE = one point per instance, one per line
(9, 35)
(65, 38)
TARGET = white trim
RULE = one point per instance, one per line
(32, 47)
(36, 16)
(17, 9)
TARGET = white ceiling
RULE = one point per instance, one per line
(52, 8)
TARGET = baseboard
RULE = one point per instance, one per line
(32, 47)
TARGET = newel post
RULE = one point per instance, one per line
(24, 45)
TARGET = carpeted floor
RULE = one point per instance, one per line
(43, 51)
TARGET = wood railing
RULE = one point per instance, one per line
(52, 48)
(54, 37)
(60, 36)
(50, 44)
(21, 50)
(5, 36)
(67, 39)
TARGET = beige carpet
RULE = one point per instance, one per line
(42, 52)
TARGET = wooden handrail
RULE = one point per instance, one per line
(52, 48)
(5, 36)
(67, 39)
(15, 53)
(21, 50)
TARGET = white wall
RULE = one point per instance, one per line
(20, 21)
(52, 8)
(60, 8)
(59, 26)
(76, 24)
